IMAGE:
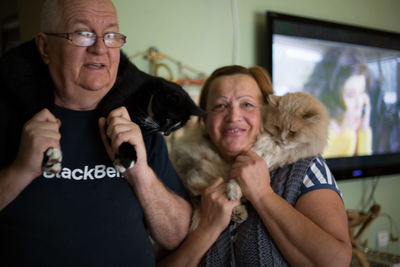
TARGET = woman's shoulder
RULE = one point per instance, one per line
(318, 176)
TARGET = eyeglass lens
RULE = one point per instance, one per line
(88, 39)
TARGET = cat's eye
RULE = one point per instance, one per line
(292, 133)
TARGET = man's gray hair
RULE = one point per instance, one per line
(50, 15)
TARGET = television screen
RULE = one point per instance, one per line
(355, 72)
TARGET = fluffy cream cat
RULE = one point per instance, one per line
(294, 126)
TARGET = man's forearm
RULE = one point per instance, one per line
(167, 214)
(11, 185)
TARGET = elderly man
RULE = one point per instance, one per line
(88, 214)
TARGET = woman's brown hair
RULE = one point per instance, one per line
(259, 74)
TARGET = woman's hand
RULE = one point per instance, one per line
(366, 113)
(252, 174)
(216, 211)
(357, 117)
(216, 208)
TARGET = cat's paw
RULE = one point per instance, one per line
(195, 219)
(52, 160)
(233, 191)
(126, 157)
(239, 214)
(120, 167)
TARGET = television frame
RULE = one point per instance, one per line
(342, 167)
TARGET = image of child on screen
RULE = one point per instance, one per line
(342, 81)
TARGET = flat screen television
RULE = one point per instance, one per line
(311, 55)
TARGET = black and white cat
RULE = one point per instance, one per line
(155, 104)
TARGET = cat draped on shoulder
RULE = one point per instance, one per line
(294, 126)
(153, 103)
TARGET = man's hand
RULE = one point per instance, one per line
(118, 128)
(167, 215)
(38, 134)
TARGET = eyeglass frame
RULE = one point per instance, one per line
(68, 36)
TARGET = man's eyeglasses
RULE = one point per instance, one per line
(110, 39)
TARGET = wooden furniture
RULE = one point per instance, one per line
(361, 220)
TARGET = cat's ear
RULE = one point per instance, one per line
(197, 111)
(311, 116)
(272, 99)
(194, 109)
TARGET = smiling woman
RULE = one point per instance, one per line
(233, 97)
(233, 114)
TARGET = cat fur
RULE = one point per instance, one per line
(299, 116)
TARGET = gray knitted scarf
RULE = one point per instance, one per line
(250, 244)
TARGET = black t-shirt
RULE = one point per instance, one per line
(87, 215)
